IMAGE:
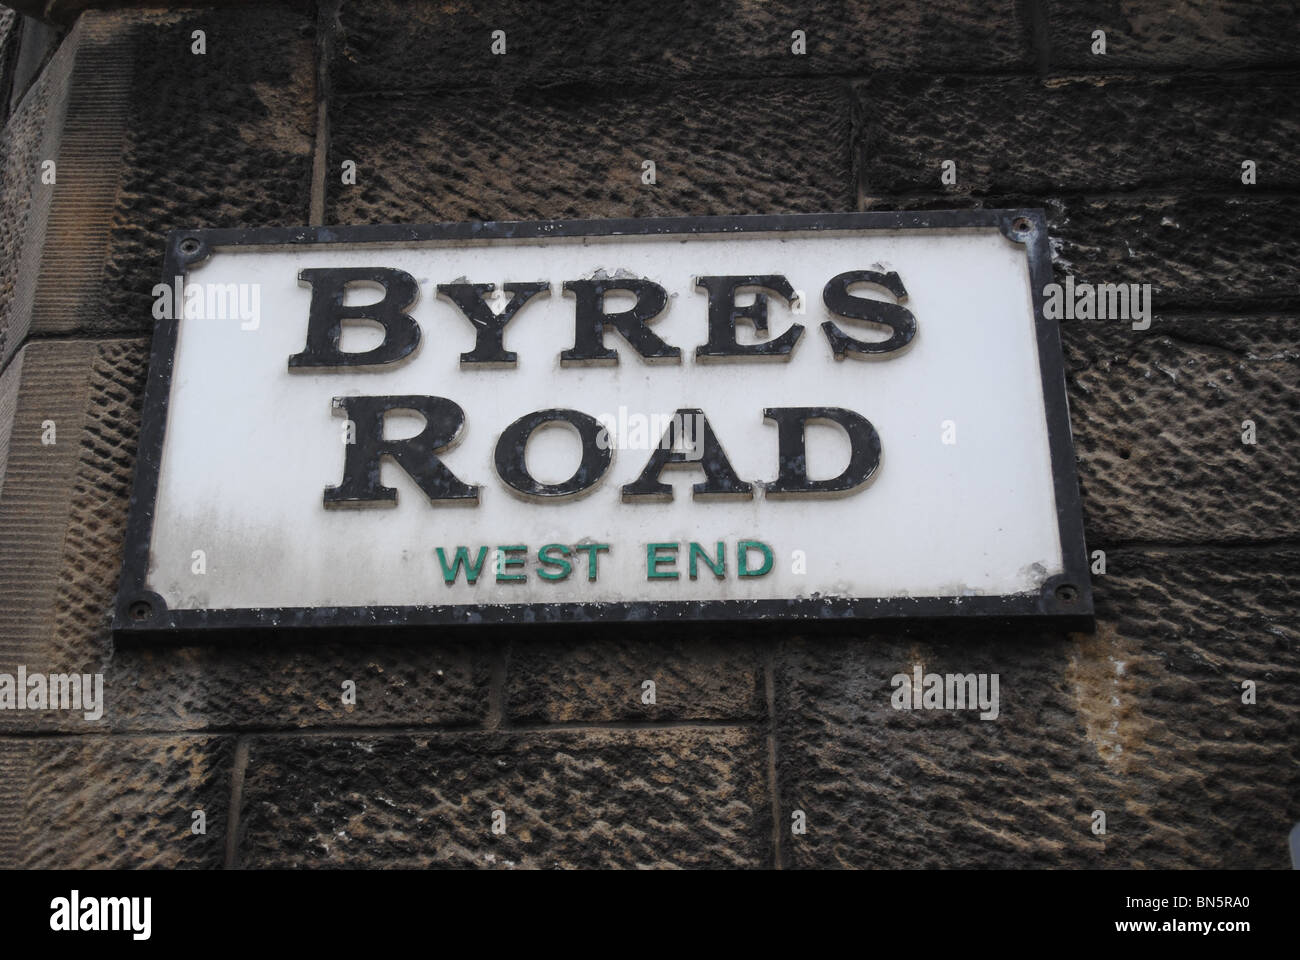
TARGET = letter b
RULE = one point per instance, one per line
(327, 314)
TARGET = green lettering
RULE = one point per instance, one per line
(593, 549)
(719, 569)
(507, 561)
(653, 561)
(472, 570)
(544, 555)
(742, 557)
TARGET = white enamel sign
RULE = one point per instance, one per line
(849, 416)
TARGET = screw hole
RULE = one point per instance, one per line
(140, 610)
(1021, 225)
(189, 245)
(1067, 593)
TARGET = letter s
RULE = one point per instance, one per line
(897, 318)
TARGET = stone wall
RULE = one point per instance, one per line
(1136, 156)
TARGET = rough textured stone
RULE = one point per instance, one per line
(219, 140)
(756, 148)
(64, 291)
(10, 29)
(1211, 253)
(1195, 34)
(1203, 253)
(285, 684)
(115, 802)
(30, 137)
(35, 42)
(13, 783)
(149, 137)
(65, 11)
(9, 381)
(1157, 421)
(35, 509)
(101, 484)
(1014, 134)
(393, 45)
(562, 681)
(684, 797)
(1143, 721)
(63, 513)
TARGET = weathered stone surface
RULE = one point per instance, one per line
(1204, 253)
(65, 11)
(752, 148)
(1016, 134)
(147, 137)
(219, 140)
(282, 683)
(29, 137)
(1196, 34)
(35, 508)
(1211, 253)
(683, 797)
(10, 29)
(118, 802)
(63, 511)
(1157, 420)
(93, 545)
(600, 679)
(393, 45)
(34, 43)
(1143, 721)
(65, 289)
(13, 783)
(9, 381)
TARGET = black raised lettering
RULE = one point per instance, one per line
(417, 455)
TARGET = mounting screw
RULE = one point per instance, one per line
(140, 610)
(190, 245)
(1067, 593)
(1022, 225)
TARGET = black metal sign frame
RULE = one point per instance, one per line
(1064, 602)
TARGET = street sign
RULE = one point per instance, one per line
(851, 416)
